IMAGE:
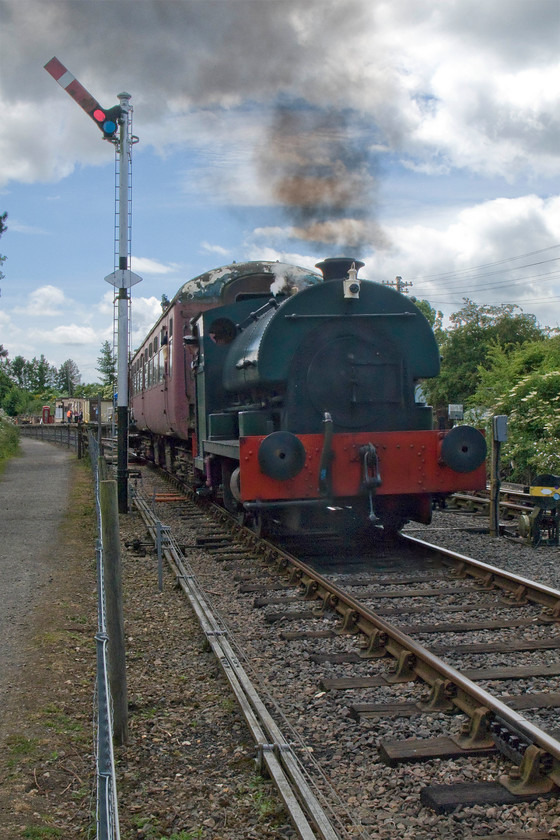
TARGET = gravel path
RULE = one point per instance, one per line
(34, 494)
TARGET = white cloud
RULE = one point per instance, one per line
(214, 249)
(145, 312)
(46, 301)
(145, 265)
(20, 227)
(423, 90)
(476, 86)
(74, 335)
(437, 257)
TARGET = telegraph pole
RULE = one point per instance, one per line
(399, 284)
(111, 120)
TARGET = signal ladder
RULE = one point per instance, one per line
(132, 139)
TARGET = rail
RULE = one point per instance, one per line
(448, 686)
(273, 750)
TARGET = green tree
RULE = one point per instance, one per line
(14, 401)
(107, 367)
(466, 346)
(68, 377)
(88, 392)
(433, 316)
(20, 372)
(46, 374)
(40, 375)
(505, 367)
(5, 383)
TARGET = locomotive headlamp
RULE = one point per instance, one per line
(351, 283)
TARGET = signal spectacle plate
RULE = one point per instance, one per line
(463, 449)
(281, 455)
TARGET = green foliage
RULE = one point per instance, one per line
(434, 317)
(524, 383)
(505, 367)
(36, 375)
(68, 377)
(26, 386)
(107, 364)
(89, 392)
(475, 333)
(41, 832)
(107, 367)
(19, 746)
(14, 401)
(533, 407)
(9, 441)
(265, 803)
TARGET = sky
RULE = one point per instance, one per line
(420, 137)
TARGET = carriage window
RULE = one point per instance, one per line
(170, 349)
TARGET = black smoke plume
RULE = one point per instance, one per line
(318, 165)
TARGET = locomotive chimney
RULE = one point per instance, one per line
(335, 268)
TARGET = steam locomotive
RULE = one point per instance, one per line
(291, 396)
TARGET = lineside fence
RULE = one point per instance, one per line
(107, 805)
(73, 436)
(89, 440)
(95, 441)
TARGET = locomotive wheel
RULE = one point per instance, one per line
(230, 502)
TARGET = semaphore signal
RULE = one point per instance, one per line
(107, 119)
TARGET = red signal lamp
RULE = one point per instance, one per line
(108, 120)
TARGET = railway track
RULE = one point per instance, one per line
(514, 499)
(354, 660)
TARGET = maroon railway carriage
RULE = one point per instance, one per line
(162, 383)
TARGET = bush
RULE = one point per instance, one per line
(9, 441)
(533, 425)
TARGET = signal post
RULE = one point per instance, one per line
(111, 120)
